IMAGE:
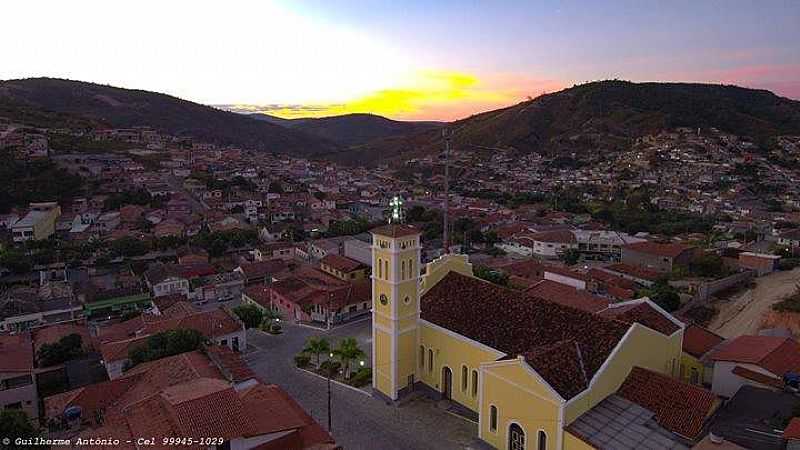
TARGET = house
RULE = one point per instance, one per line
(17, 387)
(698, 344)
(358, 250)
(344, 268)
(217, 287)
(500, 354)
(211, 392)
(760, 361)
(261, 272)
(220, 325)
(552, 244)
(192, 255)
(38, 224)
(22, 309)
(283, 250)
(166, 279)
(169, 228)
(656, 256)
(323, 247)
(311, 295)
(790, 238)
(761, 263)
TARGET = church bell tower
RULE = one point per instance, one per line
(396, 258)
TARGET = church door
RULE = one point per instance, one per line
(447, 382)
(516, 437)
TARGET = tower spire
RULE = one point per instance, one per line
(446, 237)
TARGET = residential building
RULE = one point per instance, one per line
(759, 361)
(38, 224)
(659, 257)
(698, 344)
(344, 268)
(17, 383)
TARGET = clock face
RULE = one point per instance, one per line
(384, 299)
(407, 300)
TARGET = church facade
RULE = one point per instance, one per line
(524, 368)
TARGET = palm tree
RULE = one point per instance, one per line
(346, 352)
(316, 346)
(270, 315)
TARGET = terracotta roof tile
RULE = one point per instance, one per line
(16, 353)
(776, 354)
(697, 341)
(641, 313)
(678, 407)
(670, 250)
(342, 263)
(792, 430)
(394, 230)
(517, 324)
(568, 296)
(758, 377)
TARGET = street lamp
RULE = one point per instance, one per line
(328, 373)
(361, 363)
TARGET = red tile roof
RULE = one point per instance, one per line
(16, 353)
(519, 324)
(642, 313)
(670, 250)
(260, 270)
(51, 334)
(775, 354)
(636, 272)
(557, 236)
(568, 296)
(230, 363)
(697, 341)
(341, 263)
(792, 430)
(758, 377)
(678, 406)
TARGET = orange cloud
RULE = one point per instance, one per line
(430, 95)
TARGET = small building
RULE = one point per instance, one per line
(659, 257)
(759, 361)
(761, 263)
(38, 224)
(17, 386)
(698, 343)
(344, 268)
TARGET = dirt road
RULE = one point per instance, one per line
(743, 314)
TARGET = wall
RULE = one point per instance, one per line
(652, 262)
(521, 398)
(358, 250)
(26, 395)
(726, 383)
(455, 352)
(641, 347)
(688, 363)
(571, 442)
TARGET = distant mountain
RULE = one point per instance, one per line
(123, 108)
(600, 117)
(351, 129)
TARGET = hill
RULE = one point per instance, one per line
(601, 116)
(351, 129)
(123, 108)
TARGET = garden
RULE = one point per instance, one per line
(344, 363)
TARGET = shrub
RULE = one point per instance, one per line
(165, 344)
(302, 360)
(788, 263)
(362, 377)
(330, 367)
(275, 328)
(250, 315)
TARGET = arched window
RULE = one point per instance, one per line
(422, 356)
(542, 438)
(474, 383)
(464, 378)
(380, 267)
(386, 269)
(402, 270)
(516, 437)
(430, 360)
(493, 418)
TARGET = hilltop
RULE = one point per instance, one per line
(351, 129)
(602, 116)
(58, 99)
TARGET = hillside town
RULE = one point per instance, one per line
(183, 287)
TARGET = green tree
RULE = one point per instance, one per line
(129, 246)
(317, 345)
(66, 349)
(251, 315)
(491, 275)
(346, 352)
(663, 294)
(570, 257)
(14, 423)
(165, 344)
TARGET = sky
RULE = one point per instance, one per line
(410, 60)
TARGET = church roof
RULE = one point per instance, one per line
(566, 346)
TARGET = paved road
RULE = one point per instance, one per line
(360, 421)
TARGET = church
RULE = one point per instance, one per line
(526, 369)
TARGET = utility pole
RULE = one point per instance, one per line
(446, 134)
(328, 372)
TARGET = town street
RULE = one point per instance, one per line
(360, 421)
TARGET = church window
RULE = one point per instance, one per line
(422, 356)
(493, 418)
(464, 378)
(402, 270)
(474, 383)
(430, 360)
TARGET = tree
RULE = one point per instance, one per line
(165, 344)
(270, 317)
(129, 246)
(347, 352)
(570, 257)
(491, 275)
(251, 315)
(66, 349)
(316, 346)
(14, 423)
(663, 294)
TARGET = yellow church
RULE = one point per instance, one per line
(526, 369)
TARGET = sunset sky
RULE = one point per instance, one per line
(432, 60)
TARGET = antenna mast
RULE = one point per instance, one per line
(446, 238)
